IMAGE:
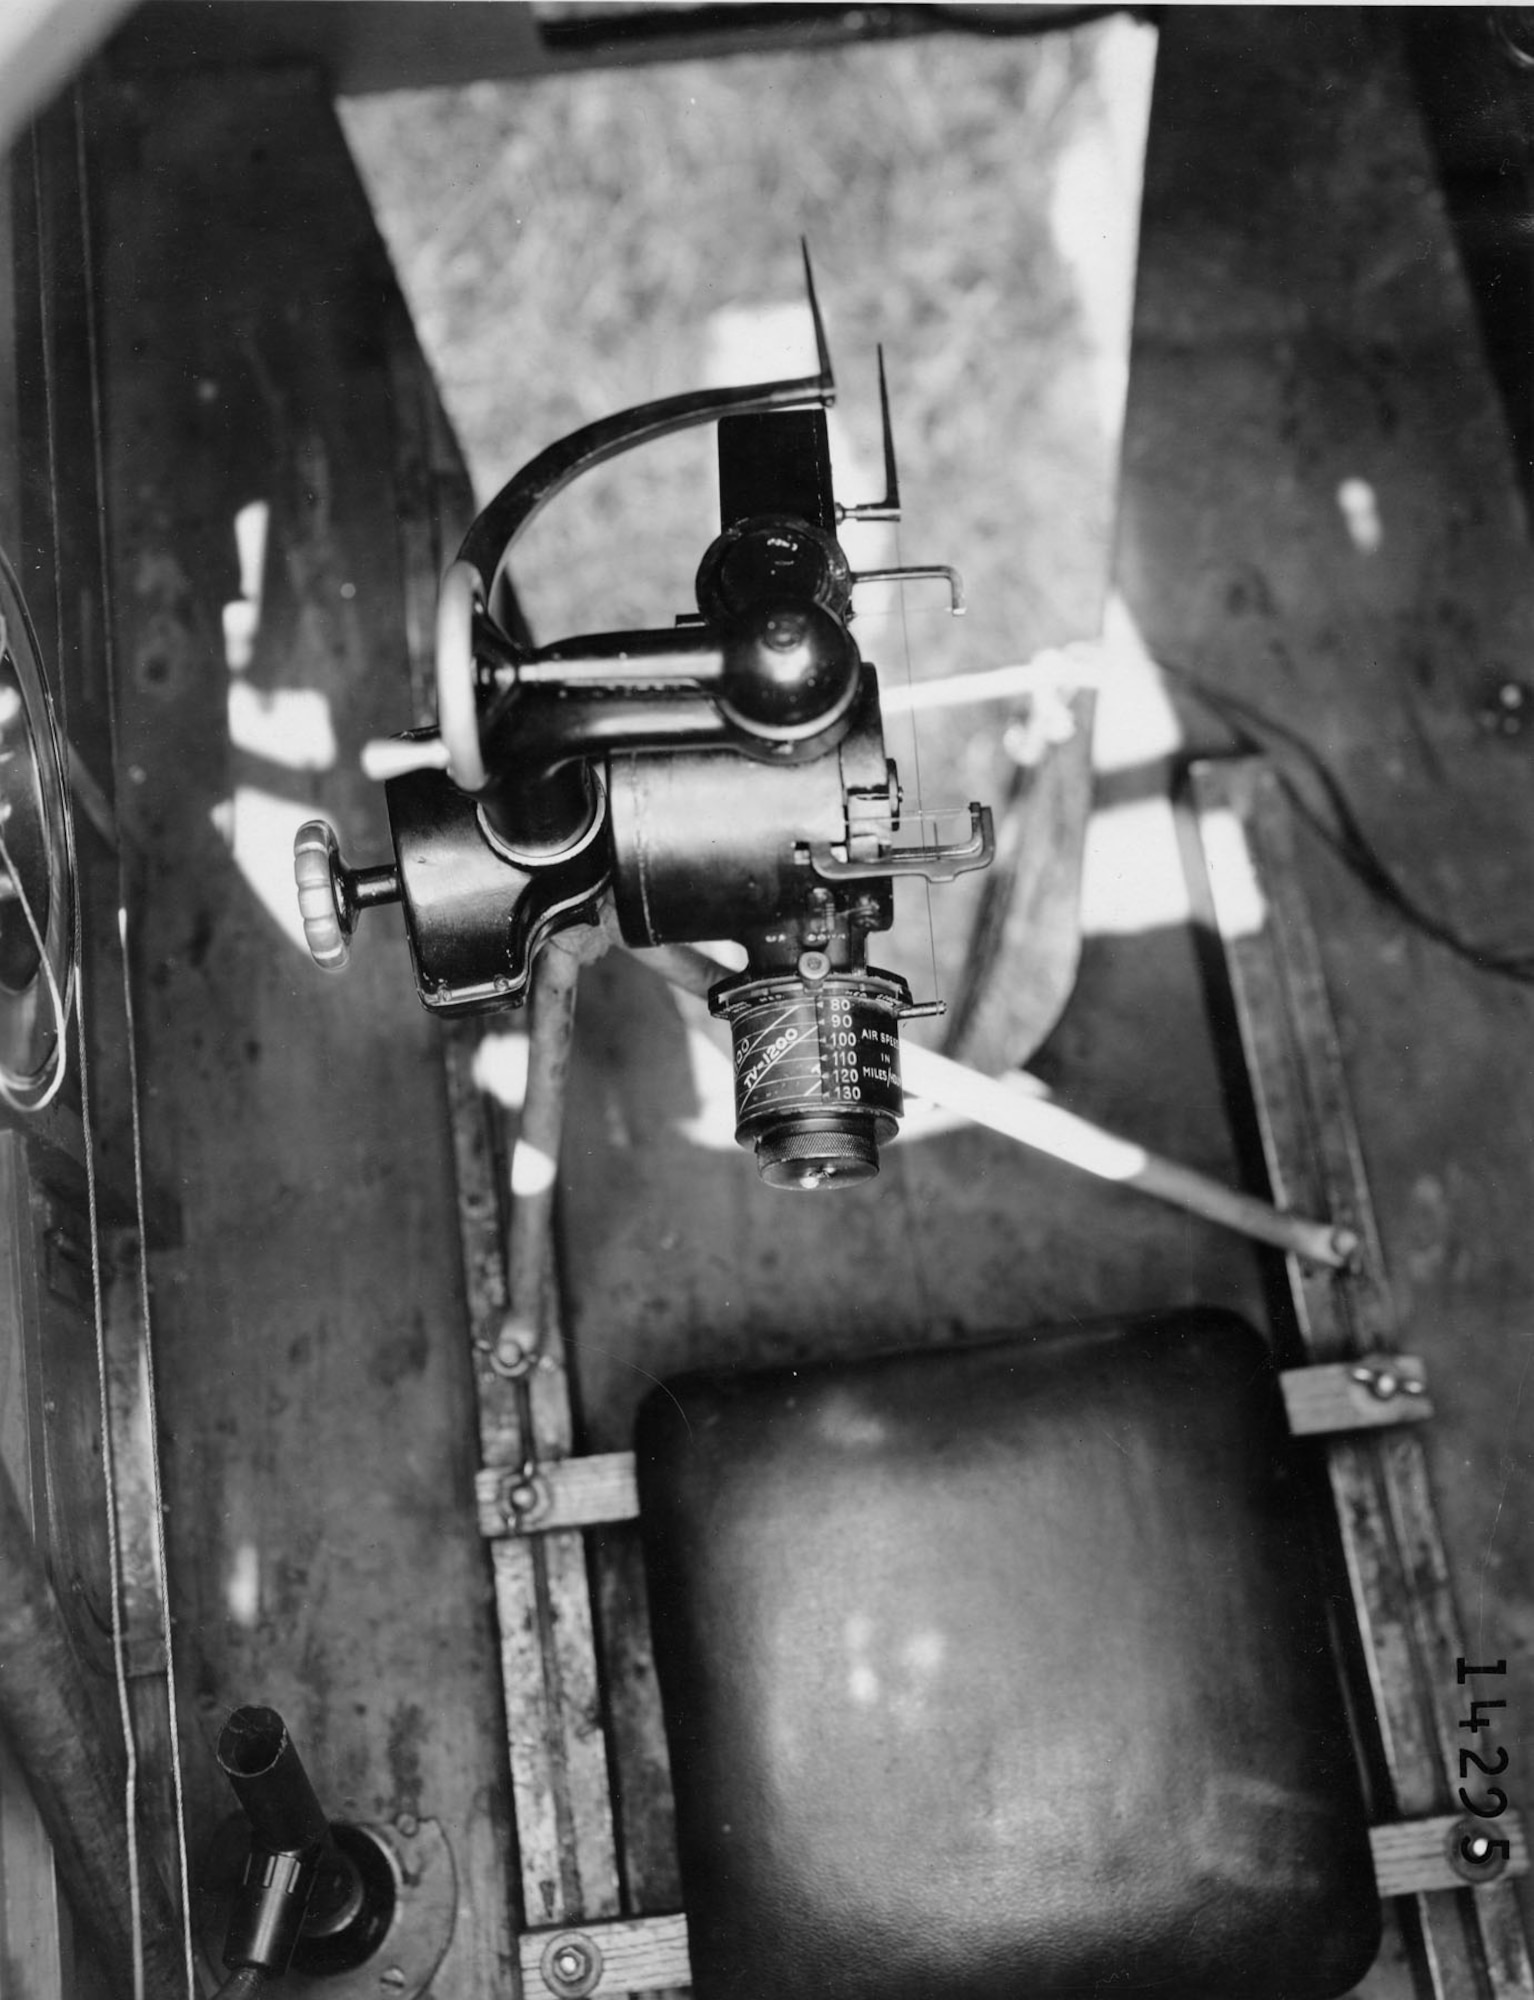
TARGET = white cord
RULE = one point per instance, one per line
(114, 1557)
(109, 1471)
(140, 1203)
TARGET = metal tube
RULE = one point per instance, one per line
(1046, 1127)
(76, 1772)
(535, 1156)
(263, 1766)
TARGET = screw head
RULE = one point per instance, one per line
(1385, 1384)
(813, 965)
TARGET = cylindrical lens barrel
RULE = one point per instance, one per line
(817, 1073)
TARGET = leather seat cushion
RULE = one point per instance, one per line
(1003, 1672)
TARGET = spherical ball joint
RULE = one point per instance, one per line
(789, 671)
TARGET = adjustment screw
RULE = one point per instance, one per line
(813, 965)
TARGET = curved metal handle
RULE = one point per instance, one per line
(489, 541)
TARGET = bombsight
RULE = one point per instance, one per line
(723, 778)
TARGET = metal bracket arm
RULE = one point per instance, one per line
(940, 862)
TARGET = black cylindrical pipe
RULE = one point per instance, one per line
(289, 1837)
(259, 1758)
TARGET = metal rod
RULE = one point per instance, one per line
(1058, 668)
(1046, 1127)
(535, 1156)
(75, 1772)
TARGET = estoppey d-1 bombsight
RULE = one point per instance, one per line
(723, 779)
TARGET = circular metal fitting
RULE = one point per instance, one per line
(817, 1072)
(571, 1965)
(545, 857)
(1475, 1854)
(791, 671)
(772, 557)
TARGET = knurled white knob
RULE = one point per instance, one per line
(322, 901)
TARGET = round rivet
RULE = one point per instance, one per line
(1385, 1385)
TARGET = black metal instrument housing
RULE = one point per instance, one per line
(726, 779)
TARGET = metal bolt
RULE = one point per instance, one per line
(572, 1966)
(515, 1349)
(524, 1498)
(813, 965)
(1473, 1853)
(1347, 1246)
